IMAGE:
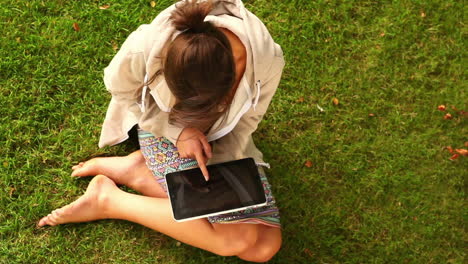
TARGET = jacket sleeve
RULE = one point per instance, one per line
(124, 79)
(124, 76)
(241, 136)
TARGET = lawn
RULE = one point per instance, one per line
(356, 141)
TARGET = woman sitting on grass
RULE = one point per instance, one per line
(200, 72)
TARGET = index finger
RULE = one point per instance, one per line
(206, 146)
(202, 165)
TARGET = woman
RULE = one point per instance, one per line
(196, 81)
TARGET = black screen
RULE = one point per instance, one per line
(232, 185)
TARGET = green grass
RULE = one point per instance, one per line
(381, 189)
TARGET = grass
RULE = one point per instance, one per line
(381, 188)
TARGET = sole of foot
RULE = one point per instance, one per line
(89, 207)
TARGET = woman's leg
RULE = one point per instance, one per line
(104, 200)
(130, 171)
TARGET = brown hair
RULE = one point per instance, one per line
(198, 67)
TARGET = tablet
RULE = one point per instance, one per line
(233, 186)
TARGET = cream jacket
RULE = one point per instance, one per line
(149, 106)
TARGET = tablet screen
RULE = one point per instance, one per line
(232, 185)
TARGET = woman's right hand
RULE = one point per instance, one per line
(192, 143)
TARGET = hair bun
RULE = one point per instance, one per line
(190, 15)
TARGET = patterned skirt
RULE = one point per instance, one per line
(162, 157)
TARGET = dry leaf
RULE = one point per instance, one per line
(454, 157)
(382, 34)
(423, 14)
(335, 101)
(308, 252)
(104, 7)
(12, 189)
(447, 116)
(76, 27)
(115, 47)
(441, 108)
(300, 100)
(462, 152)
(450, 149)
(371, 115)
(153, 3)
(308, 164)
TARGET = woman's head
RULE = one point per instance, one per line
(198, 67)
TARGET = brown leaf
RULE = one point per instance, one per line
(308, 252)
(104, 7)
(115, 47)
(382, 34)
(300, 100)
(335, 101)
(76, 27)
(423, 14)
(447, 116)
(371, 115)
(462, 152)
(441, 108)
(454, 157)
(450, 149)
(308, 164)
(153, 3)
(12, 190)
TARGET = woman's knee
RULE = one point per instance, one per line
(266, 251)
(238, 239)
(266, 247)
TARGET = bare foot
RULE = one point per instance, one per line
(119, 169)
(130, 171)
(89, 207)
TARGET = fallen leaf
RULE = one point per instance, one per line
(76, 27)
(300, 100)
(423, 14)
(115, 47)
(12, 190)
(371, 115)
(462, 152)
(104, 7)
(447, 116)
(308, 252)
(153, 3)
(450, 149)
(335, 101)
(441, 108)
(454, 157)
(382, 34)
(308, 164)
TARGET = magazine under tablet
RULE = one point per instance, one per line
(233, 186)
